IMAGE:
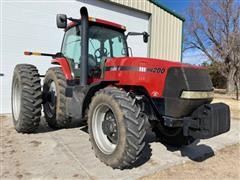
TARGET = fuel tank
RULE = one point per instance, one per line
(176, 89)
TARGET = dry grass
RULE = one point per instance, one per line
(220, 96)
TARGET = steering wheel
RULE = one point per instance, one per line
(98, 53)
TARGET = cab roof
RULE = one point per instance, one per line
(100, 21)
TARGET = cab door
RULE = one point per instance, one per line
(71, 49)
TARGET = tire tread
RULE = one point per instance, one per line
(135, 130)
(61, 120)
(31, 98)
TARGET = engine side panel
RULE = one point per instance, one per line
(145, 72)
(163, 80)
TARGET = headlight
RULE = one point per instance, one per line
(197, 94)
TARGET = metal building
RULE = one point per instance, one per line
(31, 25)
(165, 27)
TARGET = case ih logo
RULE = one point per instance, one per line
(155, 94)
(135, 68)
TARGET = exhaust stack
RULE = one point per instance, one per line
(84, 46)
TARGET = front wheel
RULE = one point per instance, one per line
(116, 128)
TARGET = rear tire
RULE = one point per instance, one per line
(54, 99)
(122, 150)
(26, 98)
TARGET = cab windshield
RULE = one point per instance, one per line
(103, 42)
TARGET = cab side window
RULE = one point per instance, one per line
(117, 46)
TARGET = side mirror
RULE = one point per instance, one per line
(145, 37)
(144, 34)
(61, 20)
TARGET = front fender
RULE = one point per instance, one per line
(64, 65)
(79, 97)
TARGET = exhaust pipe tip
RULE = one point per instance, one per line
(84, 46)
(84, 11)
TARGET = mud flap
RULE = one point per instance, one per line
(75, 96)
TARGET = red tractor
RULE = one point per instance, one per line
(117, 96)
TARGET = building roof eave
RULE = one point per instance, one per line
(157, 3)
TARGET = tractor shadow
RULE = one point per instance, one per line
(195, 151)
(146, 152)
(44, 128)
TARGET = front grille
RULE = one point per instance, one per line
(185, 78)
(177, 80)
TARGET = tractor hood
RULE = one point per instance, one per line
(175, 88)
(145, 62)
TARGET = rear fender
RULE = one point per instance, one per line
(65, 67)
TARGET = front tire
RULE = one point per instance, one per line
(55, 100)
(26, 98)
(116, 128)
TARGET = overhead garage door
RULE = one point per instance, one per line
(31, 26)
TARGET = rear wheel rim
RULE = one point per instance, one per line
(51, 100)
(16, 99)
(106, 142)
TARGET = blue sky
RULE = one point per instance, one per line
(180, 6)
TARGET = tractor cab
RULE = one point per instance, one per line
(104, 41)
(88, 42)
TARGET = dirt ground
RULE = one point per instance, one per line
(224, 165)
(43, 154)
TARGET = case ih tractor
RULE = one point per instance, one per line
(117, 96)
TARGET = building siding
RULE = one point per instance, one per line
(165, 30)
